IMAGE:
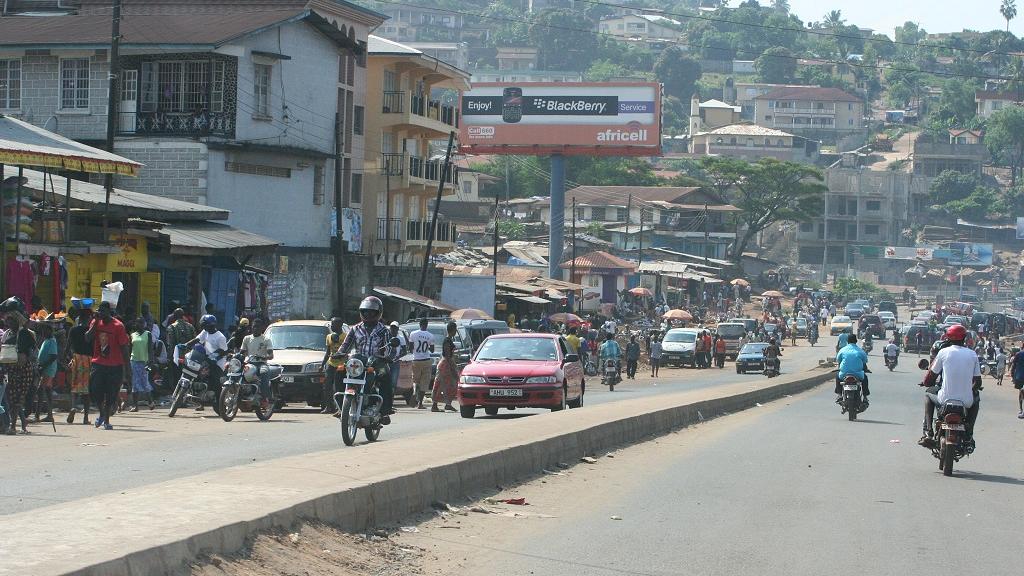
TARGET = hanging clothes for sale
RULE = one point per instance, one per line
(20, 279)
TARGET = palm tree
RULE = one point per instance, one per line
(834, 19)
(781, 5)
(1009, 11)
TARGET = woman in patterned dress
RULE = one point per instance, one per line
(20, 374)
(447, 379)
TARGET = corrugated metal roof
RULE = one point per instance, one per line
(601, 260)
(378, 45)
(123, 203)
(413, 298)
(208, 238)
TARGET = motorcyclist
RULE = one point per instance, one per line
(844, 339)
(853, 361)
(258, 348)
(216, 345)
(868, 340)
(772, 353)
(610, 351)
(961, 381)
(371, 338)
(891, 351)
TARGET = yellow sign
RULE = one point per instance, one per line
(133, 256)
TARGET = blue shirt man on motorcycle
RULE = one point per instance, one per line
(610, 350)
(371, 338)
(853, 361)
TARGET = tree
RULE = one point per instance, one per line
(766, 192)
(781, 5)
(511, 229)
(1005, 138)
(776, 65)
(565, 40)
(951, 185)
(678, 73)
(833, 19)
(1009, 11)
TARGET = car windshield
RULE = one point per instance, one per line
(296, 337)
(886, 315)
(854, 307)
(537, 349)
(731, 330)
(754, 348)
(840, 319)
(872, 319)
(800, 321)
(684, 337)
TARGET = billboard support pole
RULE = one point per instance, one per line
(445, 169)
(557, 232)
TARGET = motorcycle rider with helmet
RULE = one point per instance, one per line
(853, 361)
(772, 352)
(216, 345)
(610, 350)
(961, 380)
(372, 339)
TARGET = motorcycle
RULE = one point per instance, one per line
(851, 400)
(813, 337)
(611, 374)
(949, 429)
(771, 367)
(360, 404)
(868, 346)
(193, 385)
(242, 387)
(988, 367)
(890, 362)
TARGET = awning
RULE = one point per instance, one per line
(413, 298)
(22, 144)
(533, 299)
(211, 238)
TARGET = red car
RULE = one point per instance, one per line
(522, 371)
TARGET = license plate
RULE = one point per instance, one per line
(850, 387)
(288, 379)
(506, 392)
(959, 427)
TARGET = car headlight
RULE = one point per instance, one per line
(234, 366)
(541, 380)
(354, 368)
(311, 367)
(472, 380)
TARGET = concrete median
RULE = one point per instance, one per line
(162, 528)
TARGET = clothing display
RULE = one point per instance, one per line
(253, 294)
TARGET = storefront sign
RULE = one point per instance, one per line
(132, 257)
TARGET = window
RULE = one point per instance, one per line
(357, 188)
(217, 92)
(179, 86)
(10, 84)
(807, 227)
(467, 188)
(593, 281)
(997, 105)
(129, 85)
(851, 207)
(318, 185)
(597, 214)
(357, 120)
(257, 169)
(261, 90)
(622, 215)
(74, 84)
(871, 229)
(873, 206)
(850, 106)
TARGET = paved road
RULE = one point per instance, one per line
(791, 488)
(147, 447)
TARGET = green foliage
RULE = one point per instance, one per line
(1005, 138)
(956, 107)
(851, 288)
(766, 192)
(675, 116)
(776, 65)
(678, 73)
(596, 230)
(604, 70)
(982, 201)
(564, 38)
(530, 175)
(511, 229)
(951, 185)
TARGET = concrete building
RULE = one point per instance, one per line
(418, 104)
(752, 142)
(481, 75)
(518, 58)
(826, 114)
(225, 105)
(640, 26)
(452, 53)
(989, 102)
(410, 23)
(711, 114)
(963, 152)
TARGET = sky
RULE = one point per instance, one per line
(933, 15)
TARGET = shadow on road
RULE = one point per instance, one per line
(880, 422)
(995, 478)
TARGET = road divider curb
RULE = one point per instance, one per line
(163, 528)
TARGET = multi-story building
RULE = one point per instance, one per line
(415, 110)
(989, 102)
(482, 75)
(453, 53)
(711, 114)
(518, 58)
(963, 152)
(752, 142)
(640, 26)
(826, 114)
(410, 23)
(224, 104)
(742, 94)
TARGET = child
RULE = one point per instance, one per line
(47, 370)
(142, 348)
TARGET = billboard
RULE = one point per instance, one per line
(580, 118)
(966, 254)
(907, 253)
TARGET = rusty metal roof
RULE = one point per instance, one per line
(602, 260)
(209, 238)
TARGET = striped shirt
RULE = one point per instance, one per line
(367, 342)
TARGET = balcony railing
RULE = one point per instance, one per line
(435, 110)
(392, 164)
(389, 229)
(393, 102)
(419, 231)
(190, 124)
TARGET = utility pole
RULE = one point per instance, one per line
(640, 258)
(572, 265)
(437, 208)
(496, 210)
(707, 236)
(556, 233)
(112, 97)
(629, 214)
(824, 245)
(339, 257)
(387, 215)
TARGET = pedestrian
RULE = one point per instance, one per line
(1000, 366)
(47, 360)
(109, 365)
(655, 356)
(179, 332)
(447, 372)
(422, 342)
(708, 349)
(720, 351)
(238, 334)
(331, 367)
(395, 367)
(19, 357)
(142, 355)
(80, 365)
(632, 357)
(1017, 375)
(698, 351)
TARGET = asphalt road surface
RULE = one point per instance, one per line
(790, 488)
(146, 447)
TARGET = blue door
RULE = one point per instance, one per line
(175, 287)
(223, 294)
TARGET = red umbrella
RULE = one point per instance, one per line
(640, 291)
(566, 318)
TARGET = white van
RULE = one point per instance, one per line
(677, 347)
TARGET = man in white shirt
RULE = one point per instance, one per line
(422, 343)
(609, 327)
(961, 381)
(259, 347)
(892, 351)
(216, 345)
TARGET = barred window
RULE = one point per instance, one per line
(318, 185)
(257, 169)
(357, 120)
(74, 83)
(217, 93)
(129, 85)
(261, 89)
(357, 188)
(10, 84)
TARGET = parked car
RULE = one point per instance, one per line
(677, 347)
(954, 319)
(521, 371)
(872, 324)
(299, 346)
(888, 319)
(732, 332)
(889, 306)
(840, 324)
(970, 299)
(928, 336)
(854, 310)
(749, 323)
(751, 358)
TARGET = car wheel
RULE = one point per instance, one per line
(467, 411)
(563, 404)
(738, 371)
(491, 410)
(578, 403)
